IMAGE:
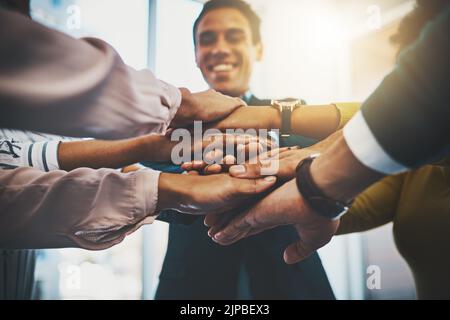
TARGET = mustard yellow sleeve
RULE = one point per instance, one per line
(374, 207)
(347, 110)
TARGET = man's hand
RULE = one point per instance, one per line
(278, 162)
(213, 147)
(283, 206)
(208, 194)
(206, 106)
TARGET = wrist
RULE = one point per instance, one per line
(186, 95)
(328, 204)
(274, 117)
(339, 174)
(154, 148)
(325, 180)
(186, 111)
(170, 192)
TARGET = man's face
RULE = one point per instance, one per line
(225, 52)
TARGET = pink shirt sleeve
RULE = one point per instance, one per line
(50, 82)
(91, 209)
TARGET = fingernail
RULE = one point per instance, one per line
(270, 179)
(218, 236)
(237, 169)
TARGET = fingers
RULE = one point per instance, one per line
(297, 252)
(212, 219)
(217, 222)
(233, 231)
(194, 165)
(249, 187)
(209, 169)
(214, 105)
(213, 169)
(313, 235)
(245, 147)
(244, 225)
(267, 164)
(253, 221)
(249, 171)
(253, 171)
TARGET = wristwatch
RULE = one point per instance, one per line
(286, 107)
(317, 200)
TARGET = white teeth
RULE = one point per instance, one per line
(223, 67)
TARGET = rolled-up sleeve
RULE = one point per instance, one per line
(74, 209)
(50, 82)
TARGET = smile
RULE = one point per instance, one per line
(222, 67)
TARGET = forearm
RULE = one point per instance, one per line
(324, 144)
(313, 121)
(339, 174)
(113, 154)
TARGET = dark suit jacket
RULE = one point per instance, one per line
(409, 113)
(197, 268)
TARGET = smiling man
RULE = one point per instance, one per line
(227, 45)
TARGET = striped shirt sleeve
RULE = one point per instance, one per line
(41, 155)
(19, 148)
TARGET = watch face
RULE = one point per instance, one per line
(285, 104)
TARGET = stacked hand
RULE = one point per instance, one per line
(278, 162)
(283, 206)
(207, 106)
(208, 194)
(229, 200)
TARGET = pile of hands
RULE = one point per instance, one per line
(241, 197)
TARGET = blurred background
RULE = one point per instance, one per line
(322, 51)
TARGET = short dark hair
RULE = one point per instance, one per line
(241, 6)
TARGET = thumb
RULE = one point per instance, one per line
(240, 102)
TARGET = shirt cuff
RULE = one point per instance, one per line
(147, 181)
(172, 99)
(41, 155)
(366, 148)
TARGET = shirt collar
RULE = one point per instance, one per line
(247, 96)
